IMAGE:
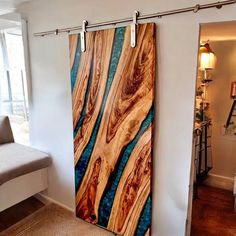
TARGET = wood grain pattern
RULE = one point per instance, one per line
(82, 78)
(105, 145)
(134, 187)
(102, 52)
(85, 208)
(112, 102)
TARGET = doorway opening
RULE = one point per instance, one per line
(214, 188)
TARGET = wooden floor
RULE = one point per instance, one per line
(213, 213)
(18, 212)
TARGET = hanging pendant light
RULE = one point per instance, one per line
(207, 57)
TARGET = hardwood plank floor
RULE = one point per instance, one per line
(213, 213)
(18, 212)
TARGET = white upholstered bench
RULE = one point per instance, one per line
(23, 170)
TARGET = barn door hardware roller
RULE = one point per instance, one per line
(83, 36)
(141, 18)
(133, 29)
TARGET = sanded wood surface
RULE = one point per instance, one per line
(82, 79)
(101, 59)
(133, 189)
(113, 95)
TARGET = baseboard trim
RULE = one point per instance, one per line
(219, 181)
(46, 200)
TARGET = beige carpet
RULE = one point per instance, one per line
(52, 220)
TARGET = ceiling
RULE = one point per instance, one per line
(7, 6)
(221, 31)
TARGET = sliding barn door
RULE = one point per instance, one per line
(113, 95)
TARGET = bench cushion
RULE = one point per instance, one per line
(6, 135)
(17, 160)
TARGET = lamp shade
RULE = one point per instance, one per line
(207, 57)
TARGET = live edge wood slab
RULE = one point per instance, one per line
(113, 110)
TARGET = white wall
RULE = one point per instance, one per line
(223, 146)
(51, 118)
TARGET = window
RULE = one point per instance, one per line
(13, 85)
